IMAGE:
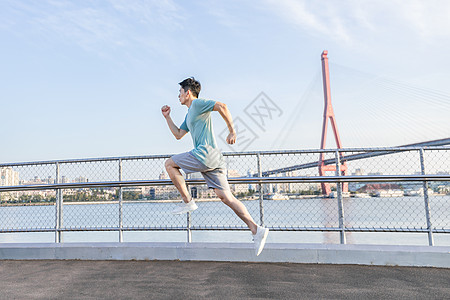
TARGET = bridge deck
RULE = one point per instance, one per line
(216, 280)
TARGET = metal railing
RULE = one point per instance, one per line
(391, 190)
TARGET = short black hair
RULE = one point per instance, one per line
(191, 84)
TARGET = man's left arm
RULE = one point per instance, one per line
(226, 115)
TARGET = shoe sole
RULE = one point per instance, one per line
(263, 242)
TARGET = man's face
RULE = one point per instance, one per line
(183, 96)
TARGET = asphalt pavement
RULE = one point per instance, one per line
(62, 279)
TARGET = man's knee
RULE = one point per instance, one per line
(169, 163)
(222, 196)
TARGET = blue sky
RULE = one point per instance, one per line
(88, 78)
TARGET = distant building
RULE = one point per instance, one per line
(136, 189)
(237, 188)
(287, 187)
(50, 180)
(8, 177)
(358, 172)
(163, 175)
(375, 174)
(250, 174)
(80, 179)
(200, 191)
(163, 192)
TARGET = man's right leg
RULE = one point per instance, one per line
(177, 178)
(259, 233)
(239, 209)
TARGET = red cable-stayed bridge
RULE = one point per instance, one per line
(325, 165)
(332, 161)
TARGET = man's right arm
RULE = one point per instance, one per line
(177, 132)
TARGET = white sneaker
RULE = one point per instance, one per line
(260, 239)
(183, 207)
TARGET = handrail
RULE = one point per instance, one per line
(246, 153)
(232, 180)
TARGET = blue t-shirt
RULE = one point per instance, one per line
(198, 122)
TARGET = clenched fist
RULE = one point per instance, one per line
(165, 110)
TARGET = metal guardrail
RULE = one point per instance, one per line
(51, 191)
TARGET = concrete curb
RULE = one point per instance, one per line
(379, 255)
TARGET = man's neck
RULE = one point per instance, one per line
(190, 102)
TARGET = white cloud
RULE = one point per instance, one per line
(85, 26)
(97, 27)
(223, 14)
(164, 12)
(429, 19)
(350, 21)
(312, 17)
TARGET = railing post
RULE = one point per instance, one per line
(339, 197)
(427, 200)
(58, 210)
(120, 203)
(188, 217)
(261, 192)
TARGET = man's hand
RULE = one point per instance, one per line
(231, 139)
(165, 111)
(226, 115)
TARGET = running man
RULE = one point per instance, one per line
(206, 157)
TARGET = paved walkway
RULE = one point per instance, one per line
(51, 279)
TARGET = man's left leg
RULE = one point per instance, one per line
(177, 178)
(188, 205)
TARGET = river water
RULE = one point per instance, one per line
(400, 212)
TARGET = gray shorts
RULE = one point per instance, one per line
(215, 178)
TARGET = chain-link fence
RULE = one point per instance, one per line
(359, 190)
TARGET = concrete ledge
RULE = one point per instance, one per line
(380, 255)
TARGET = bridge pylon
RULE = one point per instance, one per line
(329, 114)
